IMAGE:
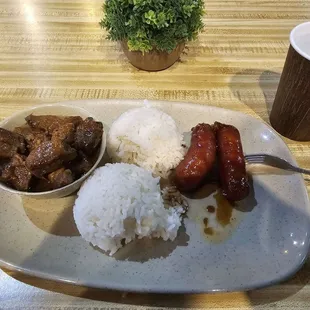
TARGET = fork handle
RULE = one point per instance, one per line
(300, 170)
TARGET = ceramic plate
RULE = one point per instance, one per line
(263, 240)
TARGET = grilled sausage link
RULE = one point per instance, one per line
(199, 159)
(233, 177)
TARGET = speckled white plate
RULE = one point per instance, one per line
(266, 241)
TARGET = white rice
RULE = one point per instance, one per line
(148, 138)
(122, 202)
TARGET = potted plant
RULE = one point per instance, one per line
(153, 33)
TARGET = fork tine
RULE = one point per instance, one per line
(252, 157)
(255, 158)
(255, 161)
(255, 155)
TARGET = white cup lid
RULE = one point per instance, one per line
(300, 39)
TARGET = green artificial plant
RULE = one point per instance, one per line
(152, 24)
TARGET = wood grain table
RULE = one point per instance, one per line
(54, 50)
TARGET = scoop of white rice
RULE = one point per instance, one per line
(148, 138)
(122, 202)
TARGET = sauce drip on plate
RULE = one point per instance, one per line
(224, 209)
(210, 209)
(207, 230)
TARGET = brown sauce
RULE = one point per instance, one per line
(204, 191)
(224, 209)
(163, 183)
(209, 231)
(210, 209)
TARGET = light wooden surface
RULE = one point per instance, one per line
(54, 50)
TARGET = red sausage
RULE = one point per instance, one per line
(233, 177)
(199, 159)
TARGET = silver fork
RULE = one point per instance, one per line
(274, 161)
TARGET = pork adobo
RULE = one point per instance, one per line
(49, 152)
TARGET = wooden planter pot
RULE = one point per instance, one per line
(154, 60)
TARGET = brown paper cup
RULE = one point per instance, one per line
(290, 114)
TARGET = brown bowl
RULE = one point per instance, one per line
(154, 60)
(18, 119)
